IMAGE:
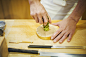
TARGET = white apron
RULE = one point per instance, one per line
(58, 9)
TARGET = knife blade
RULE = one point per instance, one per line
(45, 53)
(57, 47)
(61, 54)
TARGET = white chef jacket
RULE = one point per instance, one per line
(58, 9)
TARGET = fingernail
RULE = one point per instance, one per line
(54, 34)
(54, 40)
(68, 40)
(60, 41)
(50, 22)
(51, 37)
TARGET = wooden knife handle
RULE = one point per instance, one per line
(23, 51)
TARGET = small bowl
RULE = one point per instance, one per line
(2, 25)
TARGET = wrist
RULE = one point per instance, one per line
(33, 1)
(73, 19)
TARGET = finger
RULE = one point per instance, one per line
(59, 36)
(40, 18)
(56, 24)
(63, 38)
(45, 19)
(32, 15)
(56, 33)
(35, 16)
(70, 36)
(49, 18)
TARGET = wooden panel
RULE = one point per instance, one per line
(1, 11)
(3, 47)
(16, 9)
(5, 6)
(84, 16)
(20, 9)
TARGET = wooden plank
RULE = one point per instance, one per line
(16, 9)
(5, 5)
(3, 47)
(84, 16)
(1, 11)
(20, 9)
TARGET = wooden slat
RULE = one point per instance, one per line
(3, 47)
(16, 9)
(1, 11)
(84, 16)
(5, 5)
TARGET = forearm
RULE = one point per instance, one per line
(78, 11)
(33, 1)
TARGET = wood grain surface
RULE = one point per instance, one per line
(14, 9)
(25, 30)
(3, 47)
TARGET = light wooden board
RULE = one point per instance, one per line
(26, 30)
(3, 47)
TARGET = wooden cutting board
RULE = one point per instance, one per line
(25, 30)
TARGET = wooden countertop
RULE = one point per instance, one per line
(25, 30)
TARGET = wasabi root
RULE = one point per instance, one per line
(46, 27)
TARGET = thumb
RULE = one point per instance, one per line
(56, 24)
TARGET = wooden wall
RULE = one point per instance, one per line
(14, 9)
(84, 16)
(17, 9)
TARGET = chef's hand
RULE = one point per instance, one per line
(66, 29)
(38, 12)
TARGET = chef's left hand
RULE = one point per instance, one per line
(66, 29)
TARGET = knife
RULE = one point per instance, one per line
(46, 53)
(57, 47)
(22, 50)
(17, 42)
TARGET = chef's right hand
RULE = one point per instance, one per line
(38, 12)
